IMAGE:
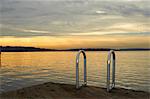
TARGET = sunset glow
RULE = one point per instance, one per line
(75, 24)
(79, 42)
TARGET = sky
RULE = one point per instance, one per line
(75, 23)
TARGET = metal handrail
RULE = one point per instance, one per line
(0, 58)
(77, 69)
(110, 87)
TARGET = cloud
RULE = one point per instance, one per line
(100, 12)
(32, 31)
(62, 42)
(73, 17)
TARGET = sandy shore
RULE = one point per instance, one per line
(66, 91)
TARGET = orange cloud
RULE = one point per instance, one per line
(63, 42)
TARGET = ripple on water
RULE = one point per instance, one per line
(131, 73)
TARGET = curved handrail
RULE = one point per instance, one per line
(77, 69)
(0, 58)
(110, 87)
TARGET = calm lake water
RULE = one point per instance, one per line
(22, 69)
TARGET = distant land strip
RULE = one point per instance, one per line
(34, 49)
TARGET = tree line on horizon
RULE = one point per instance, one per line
(31, 49)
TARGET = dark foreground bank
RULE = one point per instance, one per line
(67, 91)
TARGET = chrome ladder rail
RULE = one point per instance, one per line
(0, 58)
(77, 69)
(110, 87)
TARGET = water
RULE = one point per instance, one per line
(22, 69)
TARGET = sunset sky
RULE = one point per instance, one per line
(75, 23)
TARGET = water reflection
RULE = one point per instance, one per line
(21, 69)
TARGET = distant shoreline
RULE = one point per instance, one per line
(33, 49)
(73, 51)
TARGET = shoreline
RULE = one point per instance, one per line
(75, 51)
(35, 49)
(51, 90)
